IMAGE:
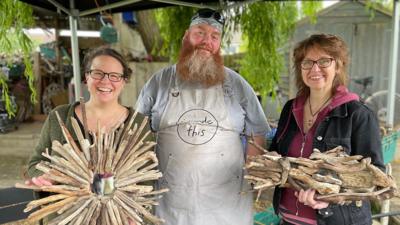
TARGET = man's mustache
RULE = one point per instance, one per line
(203, 48)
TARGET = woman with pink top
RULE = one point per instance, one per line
(323, 115)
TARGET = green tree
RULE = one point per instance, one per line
(266, 26)
(173, 23)
(14, 17)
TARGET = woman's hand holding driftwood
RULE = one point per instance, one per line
(108, 181)
(335, 176)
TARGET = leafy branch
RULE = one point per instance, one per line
(266, 33)
(14, 17)
(266, 27)
(5, 96)
(173, 23)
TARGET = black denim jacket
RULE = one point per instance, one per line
(351, 125)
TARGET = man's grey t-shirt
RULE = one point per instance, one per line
(245, 112)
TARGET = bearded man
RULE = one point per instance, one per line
(200, 110)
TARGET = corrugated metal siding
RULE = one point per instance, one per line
(369, 40)
(371, 53)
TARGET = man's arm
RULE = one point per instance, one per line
(252, 150)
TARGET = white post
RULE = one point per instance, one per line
(385, 206)
(73, 23)
(393, 65)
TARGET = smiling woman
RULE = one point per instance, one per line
(106, 73)
(324, 115)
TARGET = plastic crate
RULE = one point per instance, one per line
(267, 217)
(389, 144)
(47, 50)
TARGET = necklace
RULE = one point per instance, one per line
(320, 108)
(313, 114)
(107, 123)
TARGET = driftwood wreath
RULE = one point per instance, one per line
(106, 182)
(336, 176)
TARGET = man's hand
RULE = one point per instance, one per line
(252, 150)
(307, 198)
(39, 181)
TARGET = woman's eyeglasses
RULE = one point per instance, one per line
(207, 13)
(99, 75)
(321, 63)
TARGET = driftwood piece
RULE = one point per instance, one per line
(336, 176)
(84, 143)
(72, 143)
(322, 188)
(96, 213)
(90, 212)
(33, 204)
(106, 182)
(45, 211)
(67, 155)
(84, 118)
(327, 179)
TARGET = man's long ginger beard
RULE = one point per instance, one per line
(192, 66)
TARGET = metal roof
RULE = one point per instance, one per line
(88, 7)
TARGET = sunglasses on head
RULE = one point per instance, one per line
(208, 13)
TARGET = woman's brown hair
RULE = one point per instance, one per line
(331, 45)
(105, 51)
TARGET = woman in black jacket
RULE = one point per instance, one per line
(324, 115)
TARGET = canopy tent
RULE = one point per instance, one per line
(75, 9)
(89, 7)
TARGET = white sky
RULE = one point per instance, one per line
(327, 3)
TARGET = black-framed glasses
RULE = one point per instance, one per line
(321, 63)
(99, 75)
(209, 13)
